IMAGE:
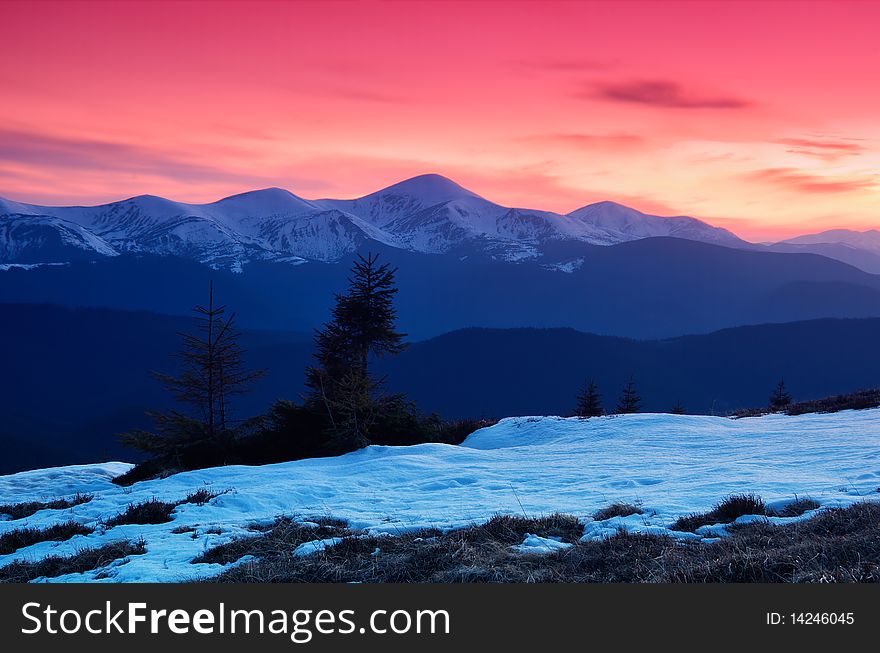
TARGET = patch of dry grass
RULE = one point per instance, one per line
(279, 539)
(28, 508)
(725, 512)
(12, 541)
(840, 545)
(83, 561)
(617, 510)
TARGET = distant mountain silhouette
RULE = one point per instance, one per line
(858, 248)
(495, 372)
(74, 378)
(649, 288)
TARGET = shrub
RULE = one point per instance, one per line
(795, 509)
(853, 401)
(11, 541)
(293, 432)
(154, 511)
(858, 400)
(151, 511)
(201, 496)
(142, 471)
(510, 529)
(725, 512)
(456, 431)
(617, 510)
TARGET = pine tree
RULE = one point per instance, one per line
(362, 327)
(629, 402)
(678, 409)
(212, 373)
(779, 398)
(589, 402)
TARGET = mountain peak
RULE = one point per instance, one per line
(868, 239)
(270, 192)
(430, 188)
(264, 201)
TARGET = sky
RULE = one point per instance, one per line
(762, 117)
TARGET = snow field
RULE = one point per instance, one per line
(669, 465)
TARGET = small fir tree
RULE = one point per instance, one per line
(362, 327)
(779, 398)
(589, 401)
(629, 402)
(212, 373)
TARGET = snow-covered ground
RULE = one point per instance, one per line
(670, 464)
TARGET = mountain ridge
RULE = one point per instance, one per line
(428, 214)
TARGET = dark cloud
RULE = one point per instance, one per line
(660, 93)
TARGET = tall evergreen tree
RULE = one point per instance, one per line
(779, 398)
(678, 409)
(629, 401)
(362, 327)
(212, 372)
(589, 401)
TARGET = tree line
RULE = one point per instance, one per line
(589, 401)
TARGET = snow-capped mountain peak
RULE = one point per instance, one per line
(621, 223)
(867, 240)
(429, 189)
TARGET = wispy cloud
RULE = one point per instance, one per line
(56, 152)
(805, 182)
(660, 93)
(827, 149)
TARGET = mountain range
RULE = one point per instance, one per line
(427, 214)
(463, 261)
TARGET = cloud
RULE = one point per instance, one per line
(826, 149)
(660, 93)
(47, 151)
(805, 182)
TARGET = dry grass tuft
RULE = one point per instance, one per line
(54, 566)
(28, 508)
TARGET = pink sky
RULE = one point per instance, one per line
(761, 117)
